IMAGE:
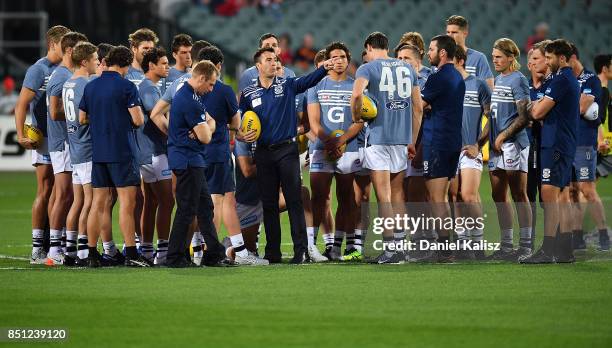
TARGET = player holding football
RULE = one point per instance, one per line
(393, 83)
(33, 97)
(329, 110)
(585, 161)
(85, 62)
(59, 150)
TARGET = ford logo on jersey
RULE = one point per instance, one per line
(396, 105)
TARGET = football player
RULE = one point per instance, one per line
(181, 52)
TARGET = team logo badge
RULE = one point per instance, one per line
(397, 105)
(584, 172)
(545, 173)
(425, 166)
(278, 89)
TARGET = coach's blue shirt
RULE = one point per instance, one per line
(587, 130)
(222, 106)
(186, 112)
(106, 101)
(36, 80)
(275, 105)
(559, 128)
(444, 91)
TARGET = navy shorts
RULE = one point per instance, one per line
(439, 164)
(220, 177)
(118, 174)
(585, 164)
(556, 168)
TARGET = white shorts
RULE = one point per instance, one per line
(411, 171)
(393, 158)
(511, 157)
(347, 164)
(61, 160)
(41, 154)
(158, 170)
(466, 162)
(81, 173)
(249, 215)
(362, 171)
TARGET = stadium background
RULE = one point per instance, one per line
(316, 305)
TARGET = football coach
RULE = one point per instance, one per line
(272, 98)
(190, 128)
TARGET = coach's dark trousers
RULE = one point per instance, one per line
(534, 184)
(192, 199)
(279, 166)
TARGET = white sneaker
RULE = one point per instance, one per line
(56, 260)
(250, 260)
(39, 257)
(315, 254)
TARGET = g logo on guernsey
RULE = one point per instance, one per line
(397, 105)
(584, 172)
(546, 174)
(335, 114)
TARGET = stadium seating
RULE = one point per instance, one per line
(352, 20)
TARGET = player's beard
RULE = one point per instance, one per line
(436, 60)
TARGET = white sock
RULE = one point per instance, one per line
(109, 248)
(310, 233)
(38, 236)
(137, 240)
(64, 240)
(463, 235)
(71, 243)
(506, 239)
(55, 242)
(359, 240)
(525, 237)
(162, 251)
(328, 238)
(196, 244)
(238, 244)
(82, 249)
(147, 250)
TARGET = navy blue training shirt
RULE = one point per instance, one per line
(587, 130)
(106, 101)
(186, 112)
(222, 106)
(275, 105)
(559, 128)
(536, 94)
(444, 91)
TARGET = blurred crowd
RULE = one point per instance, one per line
(8, 99)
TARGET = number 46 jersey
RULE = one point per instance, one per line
(390, 83)
(78, 134)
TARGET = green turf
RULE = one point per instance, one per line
(459, 305)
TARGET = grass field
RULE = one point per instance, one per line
(456, 305)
